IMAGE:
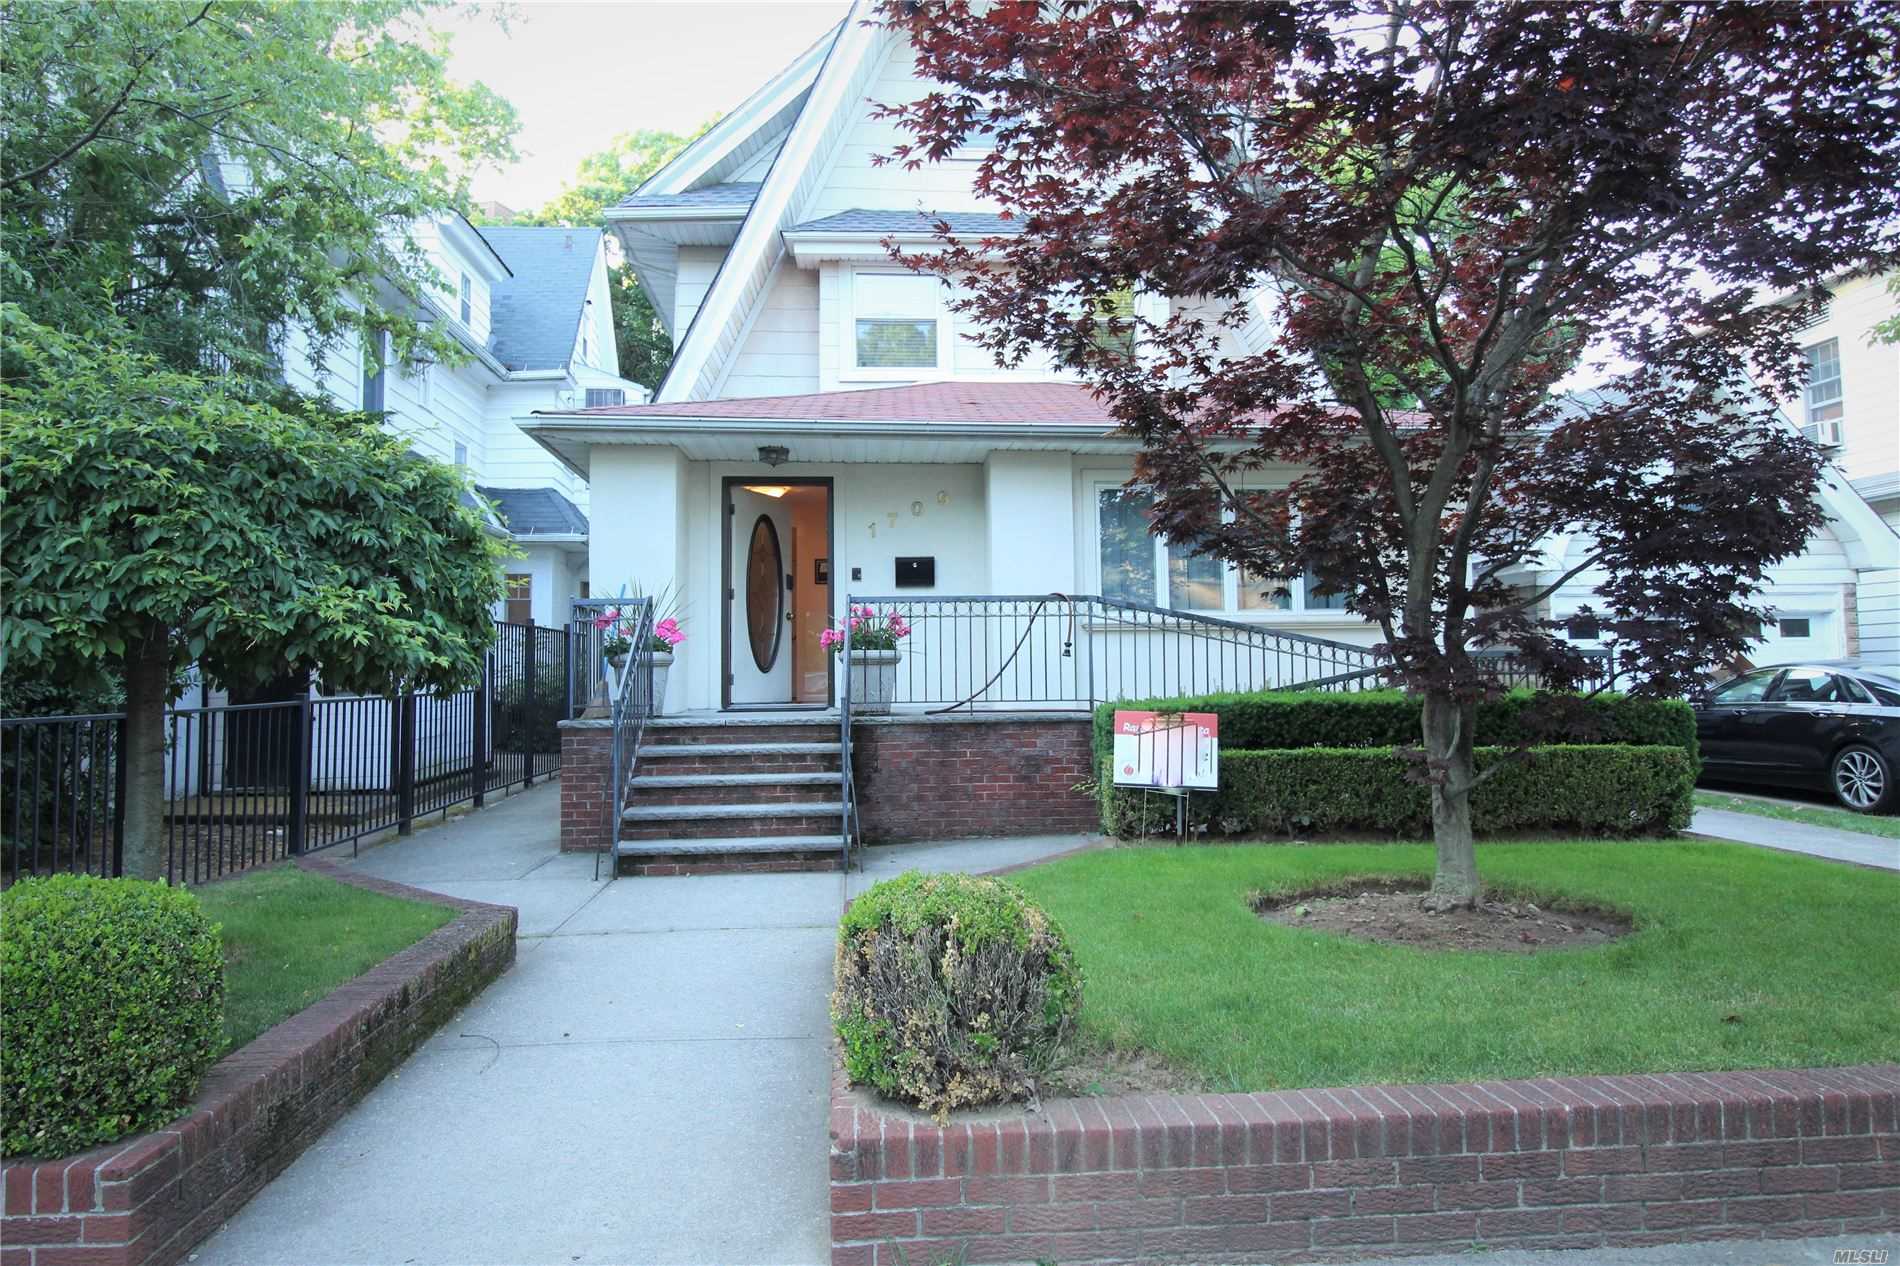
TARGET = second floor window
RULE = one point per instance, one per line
(468, 300)
(601, 396)
(897, 321)
(375, 363)
(1823, 421)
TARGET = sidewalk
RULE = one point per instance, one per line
(650, 1083)
(1797, 837)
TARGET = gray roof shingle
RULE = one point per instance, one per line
(536, 511)
(535, 315)
(860, 220)
(735, 193)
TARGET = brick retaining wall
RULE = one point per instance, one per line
(1576, 1162)
(951, 777)
(149, 1199)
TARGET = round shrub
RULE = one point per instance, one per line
(112, 1000)
(952, 990)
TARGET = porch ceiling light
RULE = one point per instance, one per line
(768, 490)
(774, 454)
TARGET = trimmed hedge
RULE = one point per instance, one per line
(952, 990)
(1390, 718)
(112, 1001)
(1602, 789)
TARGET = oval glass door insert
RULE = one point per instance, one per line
(764, 594)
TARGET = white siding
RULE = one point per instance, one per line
(1878, 599)
(1870, 377)
(510, 458)
(779, 353)
(854, 180)
(697, 267)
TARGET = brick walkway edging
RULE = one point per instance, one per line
(1574, 1162)
(148, 1200)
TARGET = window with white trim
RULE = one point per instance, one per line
(375, 363)
(897, 321)
(1824, 403)
(468, 300)
(1135, 565)
(599, 397)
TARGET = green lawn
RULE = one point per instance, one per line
(1740, 958)
(291, 936)
(1812, 814)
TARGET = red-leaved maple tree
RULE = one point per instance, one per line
(1403, 225)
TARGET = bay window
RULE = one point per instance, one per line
(1138, 566)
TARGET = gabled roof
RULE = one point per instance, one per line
(535, 315)
(736, 194)
(976, 403)
(861, 220)
(536, 511)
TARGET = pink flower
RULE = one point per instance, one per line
(831, 639)
(856, 620)
(668, 631)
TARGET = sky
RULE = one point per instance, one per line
(580, 72)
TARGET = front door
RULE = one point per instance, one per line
(759, 612)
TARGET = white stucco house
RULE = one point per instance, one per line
(532, 309)
(824, 393)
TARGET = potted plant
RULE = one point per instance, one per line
(617, 629)
(869, 641)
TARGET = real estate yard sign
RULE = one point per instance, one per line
(1167, 751)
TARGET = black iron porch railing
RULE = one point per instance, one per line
(1063, 652)
(623, 689)
(251, 783)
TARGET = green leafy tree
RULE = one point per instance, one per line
(153, 518)
(646, 351)
(216, 172)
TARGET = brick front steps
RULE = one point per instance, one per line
(775, 780)
(1576, 1162)
(149, 1199)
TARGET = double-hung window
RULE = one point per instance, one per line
(375, 368)
(897, 322)
(1824, 404)
(1138, 566)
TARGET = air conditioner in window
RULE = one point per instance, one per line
(1826, 434)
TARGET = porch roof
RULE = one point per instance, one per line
(966, 403)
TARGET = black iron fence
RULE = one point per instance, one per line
(255, 782)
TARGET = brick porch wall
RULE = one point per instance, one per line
(960, 776)
(1577, 1162)
(149, 1199)
(586, 785)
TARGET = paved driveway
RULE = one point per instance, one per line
(650, 1082)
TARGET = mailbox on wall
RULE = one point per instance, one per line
(916, 573)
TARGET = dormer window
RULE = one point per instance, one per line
(897, 321)
(468, 300)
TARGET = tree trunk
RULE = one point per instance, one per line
(147, 691)
(1448, 724)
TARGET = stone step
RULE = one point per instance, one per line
(643, 780)
(688, 751)
(724, 788)
(742, 728)
(720, 844)
(702, 812)
(753, 819)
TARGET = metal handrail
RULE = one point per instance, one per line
(630, 707)
(849, 827)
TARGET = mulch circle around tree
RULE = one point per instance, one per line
(1386, 912)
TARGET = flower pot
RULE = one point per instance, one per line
(873, 681)
(660, 661)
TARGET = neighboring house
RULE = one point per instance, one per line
(532, 308)
(1851, 407)
(824, 409)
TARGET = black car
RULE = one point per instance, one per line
(1832, 726)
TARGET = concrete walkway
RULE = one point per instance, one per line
(1797, 837)
(649, 1083)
